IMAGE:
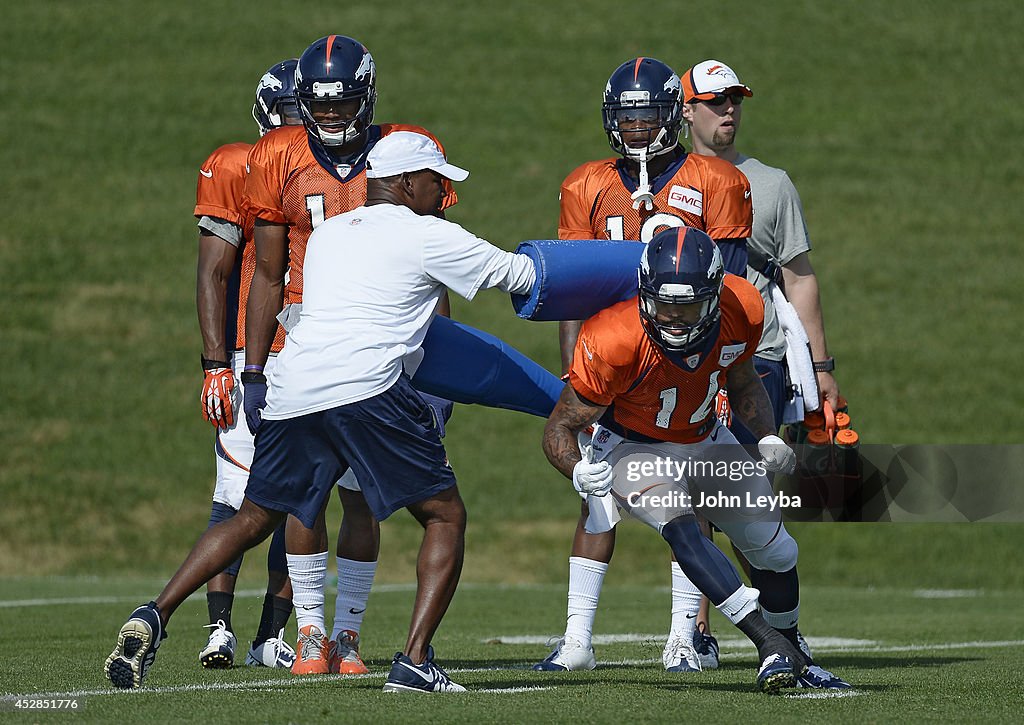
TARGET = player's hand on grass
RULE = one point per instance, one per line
(255, 399)
(778, 457)
(219, 398)
(595, 479)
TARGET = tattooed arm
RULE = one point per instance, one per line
(749, 400)
(570, 416)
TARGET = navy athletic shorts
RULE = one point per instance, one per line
(773, 375)
(390, 441)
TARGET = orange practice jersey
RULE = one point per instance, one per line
(219, 194)
(702, 192)
(615, 364)
(287, 185)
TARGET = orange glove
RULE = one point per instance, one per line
(219, 398)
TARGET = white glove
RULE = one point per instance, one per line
(778, 457)
(593, 478)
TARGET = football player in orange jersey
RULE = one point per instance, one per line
(298, 177)
(645, 374)
(225, 267)
(654, 184)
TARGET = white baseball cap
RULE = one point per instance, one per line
(405, 151)
(709, 78)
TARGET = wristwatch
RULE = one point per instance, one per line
(824, 366)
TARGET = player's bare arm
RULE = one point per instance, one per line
(801, 286)
(568, 332)
(266, 294)
(570, 416)
(749, 400)
(216, 261)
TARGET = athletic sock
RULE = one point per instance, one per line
(219, 604)
(685, 604)
(585, 579)
(308, 573)
(276, 611)
(355, 578)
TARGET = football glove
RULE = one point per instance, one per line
(219, 398)
(595, 479)
(778, 457)
(254, 400)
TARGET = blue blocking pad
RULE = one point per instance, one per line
(577, 278)
(467, 365)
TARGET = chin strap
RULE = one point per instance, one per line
(643, 193)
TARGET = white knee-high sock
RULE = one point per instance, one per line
(354, 581)
(685, 604)
(585, 579)
(308, 573)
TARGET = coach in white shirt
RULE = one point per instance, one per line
(340, 398)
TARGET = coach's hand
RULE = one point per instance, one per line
(255, 399)
(219, 399)
(595, 479)
(778, 457)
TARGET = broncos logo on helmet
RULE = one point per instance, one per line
(275, 98)
(335, 70)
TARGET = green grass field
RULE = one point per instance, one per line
(896, 121)
(923, 655)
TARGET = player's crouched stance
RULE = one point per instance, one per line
(646, 373)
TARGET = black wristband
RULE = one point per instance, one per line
(209, 364)
(824, 366)
(251, 377)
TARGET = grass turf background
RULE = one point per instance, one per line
(895, 121)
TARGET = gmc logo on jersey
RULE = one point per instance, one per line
(730, 353)
(691, 200)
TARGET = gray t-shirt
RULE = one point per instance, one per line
(780, 233)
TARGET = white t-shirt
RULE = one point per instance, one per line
(372, 278)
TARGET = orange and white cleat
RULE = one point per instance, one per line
(343, 655)
(310, 652)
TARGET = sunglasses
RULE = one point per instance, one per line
(720, 99)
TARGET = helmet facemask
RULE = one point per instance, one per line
(680, 267)
(345, 130)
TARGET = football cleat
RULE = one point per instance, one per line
(427, 677)
(680, 655)
(707, 648)
(818, 678)
(137, 643)
(343, 655)
(569, 654)
(310, 652)
(775, 673)
(219, 652)
(274, 652)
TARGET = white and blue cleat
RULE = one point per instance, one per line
(776, 672)
(405, 676)
(707, 649)
(569, 654)
(680, 656)
(818, 678)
